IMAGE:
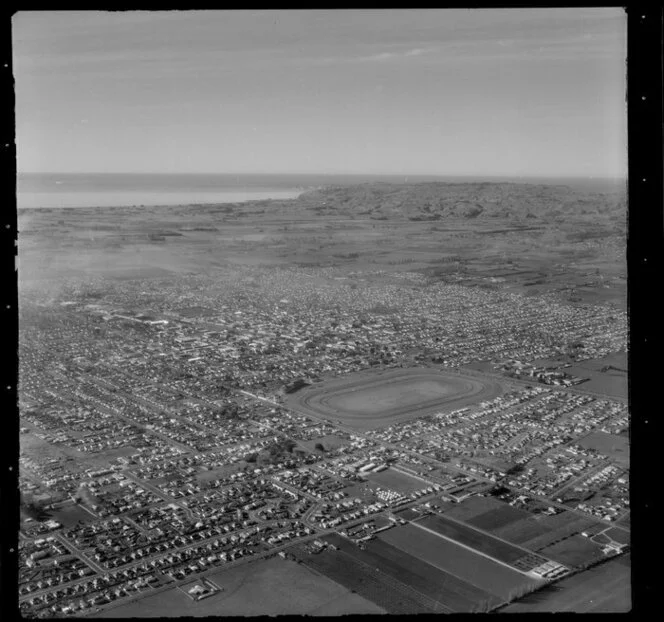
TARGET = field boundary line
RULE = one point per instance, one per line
(489, 534)
(401, 586)
(440, 535)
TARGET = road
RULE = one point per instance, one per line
(530, 383)
(428, 460)
(148, 404)
(72, 548)
(155, 491)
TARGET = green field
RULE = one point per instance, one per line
(575, 551)
(374, 399)
(452, 593)
(477, 540)
(498, 517)
(616, 447)
(618, 535)
(522, 531)
(270, 587)
(539, 531)
(71, 514)
(611, 383)
(603, 589)
(474, 507)
(404, 393)
(394, 480)
(484, 573)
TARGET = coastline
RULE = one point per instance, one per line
(98, 200)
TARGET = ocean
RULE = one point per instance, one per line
(60, 190)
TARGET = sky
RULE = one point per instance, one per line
(510, 92)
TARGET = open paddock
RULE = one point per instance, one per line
(268, 587)
(539, 531)
(71, 514)
(610, 383)
(394, 480)
(616, 447)
(498, 517)
(387, 594)
(618, 535)
(502, 551)
(453, 594)
(485, 574)
(575, 551)
(483, 512)
(376, 399)
(522, 531)
(606, 588)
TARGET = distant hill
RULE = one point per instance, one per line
(437, 201)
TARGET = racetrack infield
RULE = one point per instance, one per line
(377, 399)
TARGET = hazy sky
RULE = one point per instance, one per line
(513, 92)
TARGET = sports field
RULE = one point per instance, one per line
(375, 399)
(394, 480)
(603, 589)
(269, 587)
(485, 574)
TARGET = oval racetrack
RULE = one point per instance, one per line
(378, 399)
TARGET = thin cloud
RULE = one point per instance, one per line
(390, 55)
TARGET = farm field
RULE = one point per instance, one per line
(477, 540)
(616, 447)
(371, 400)
(474, 507)
(486, 574)
(539, 531)
(618, 535)
(386, 593)
(560, 527)
(394, 480)
(611, 383)
(454, 594)
(523, 531)
(269, 587)
(575, 551)
(603, 589)
(501, 516)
